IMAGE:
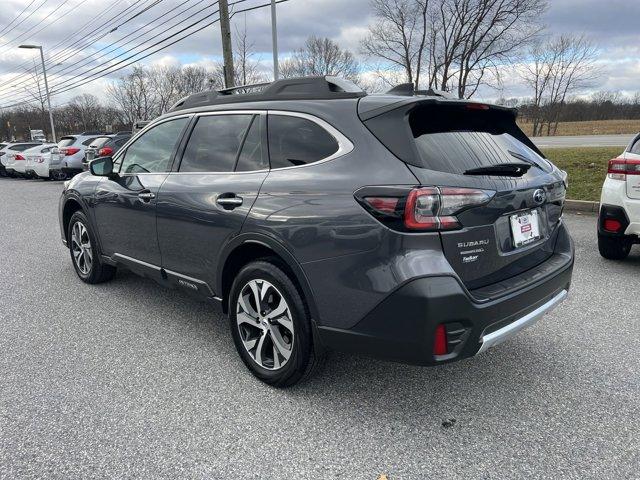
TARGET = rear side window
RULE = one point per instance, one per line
(214, 143)
(298, 141)
(455, 139)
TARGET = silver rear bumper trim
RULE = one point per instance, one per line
(494, 338)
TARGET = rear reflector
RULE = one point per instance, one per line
(440, 341)
(619, 168)
(612, 225)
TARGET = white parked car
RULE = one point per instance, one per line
(619, 218)
(37, 160)
(10, 154)
(67, 157)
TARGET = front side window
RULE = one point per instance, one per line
(298, 141)
(214, 143)
(151, 153)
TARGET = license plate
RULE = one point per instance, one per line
(525, 228)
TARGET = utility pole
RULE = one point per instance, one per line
(227, 52)
(274, 40)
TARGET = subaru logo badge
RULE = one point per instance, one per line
(539, 196)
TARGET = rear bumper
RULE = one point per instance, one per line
(614, 194)
(402, 327)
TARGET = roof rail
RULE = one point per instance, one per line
(244, 88)
(303, 88)
(408, 90)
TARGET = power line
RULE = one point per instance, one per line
(41, 20)
(96, 36)
(126, 51)
(87, 60)
(102, 72)
(3, 31)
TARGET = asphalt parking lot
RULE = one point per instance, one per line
(127, 379)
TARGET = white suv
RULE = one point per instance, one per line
(66, 159)
(619, 219)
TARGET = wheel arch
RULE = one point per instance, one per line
(247, 248)
(71, 206)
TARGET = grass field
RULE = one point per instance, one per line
(596, 127)
(586, 167)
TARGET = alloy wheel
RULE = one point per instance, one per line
(265, 324)
(81, 248)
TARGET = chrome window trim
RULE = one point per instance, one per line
(344, 144)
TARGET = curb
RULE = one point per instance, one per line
(581, 206)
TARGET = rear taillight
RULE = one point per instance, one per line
(19, 157)
(66, 151)
(105, 152)
(422, 208)
(619, 168)
(434, 208)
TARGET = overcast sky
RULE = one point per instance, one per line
(611, 24)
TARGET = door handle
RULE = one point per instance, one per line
(229, 202)
(146, 196)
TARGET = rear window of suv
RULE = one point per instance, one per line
(455, 139)
(66, 141)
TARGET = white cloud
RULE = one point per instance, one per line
(610, 24)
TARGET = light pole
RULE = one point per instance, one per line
(46, 88)
(274, 40)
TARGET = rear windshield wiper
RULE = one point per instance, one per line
(501, 170)
(519, 156)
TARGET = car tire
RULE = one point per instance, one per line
(287, 354)
(613, 248)
(85, 253)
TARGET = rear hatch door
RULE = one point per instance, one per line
(444, 141)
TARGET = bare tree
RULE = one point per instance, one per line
(458, 45)
(318, 57)
(559, 66)
(134, 95)
(87, 111)
(399, 36)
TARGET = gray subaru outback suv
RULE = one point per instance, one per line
(408, 225)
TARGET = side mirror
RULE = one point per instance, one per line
(102, 167)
